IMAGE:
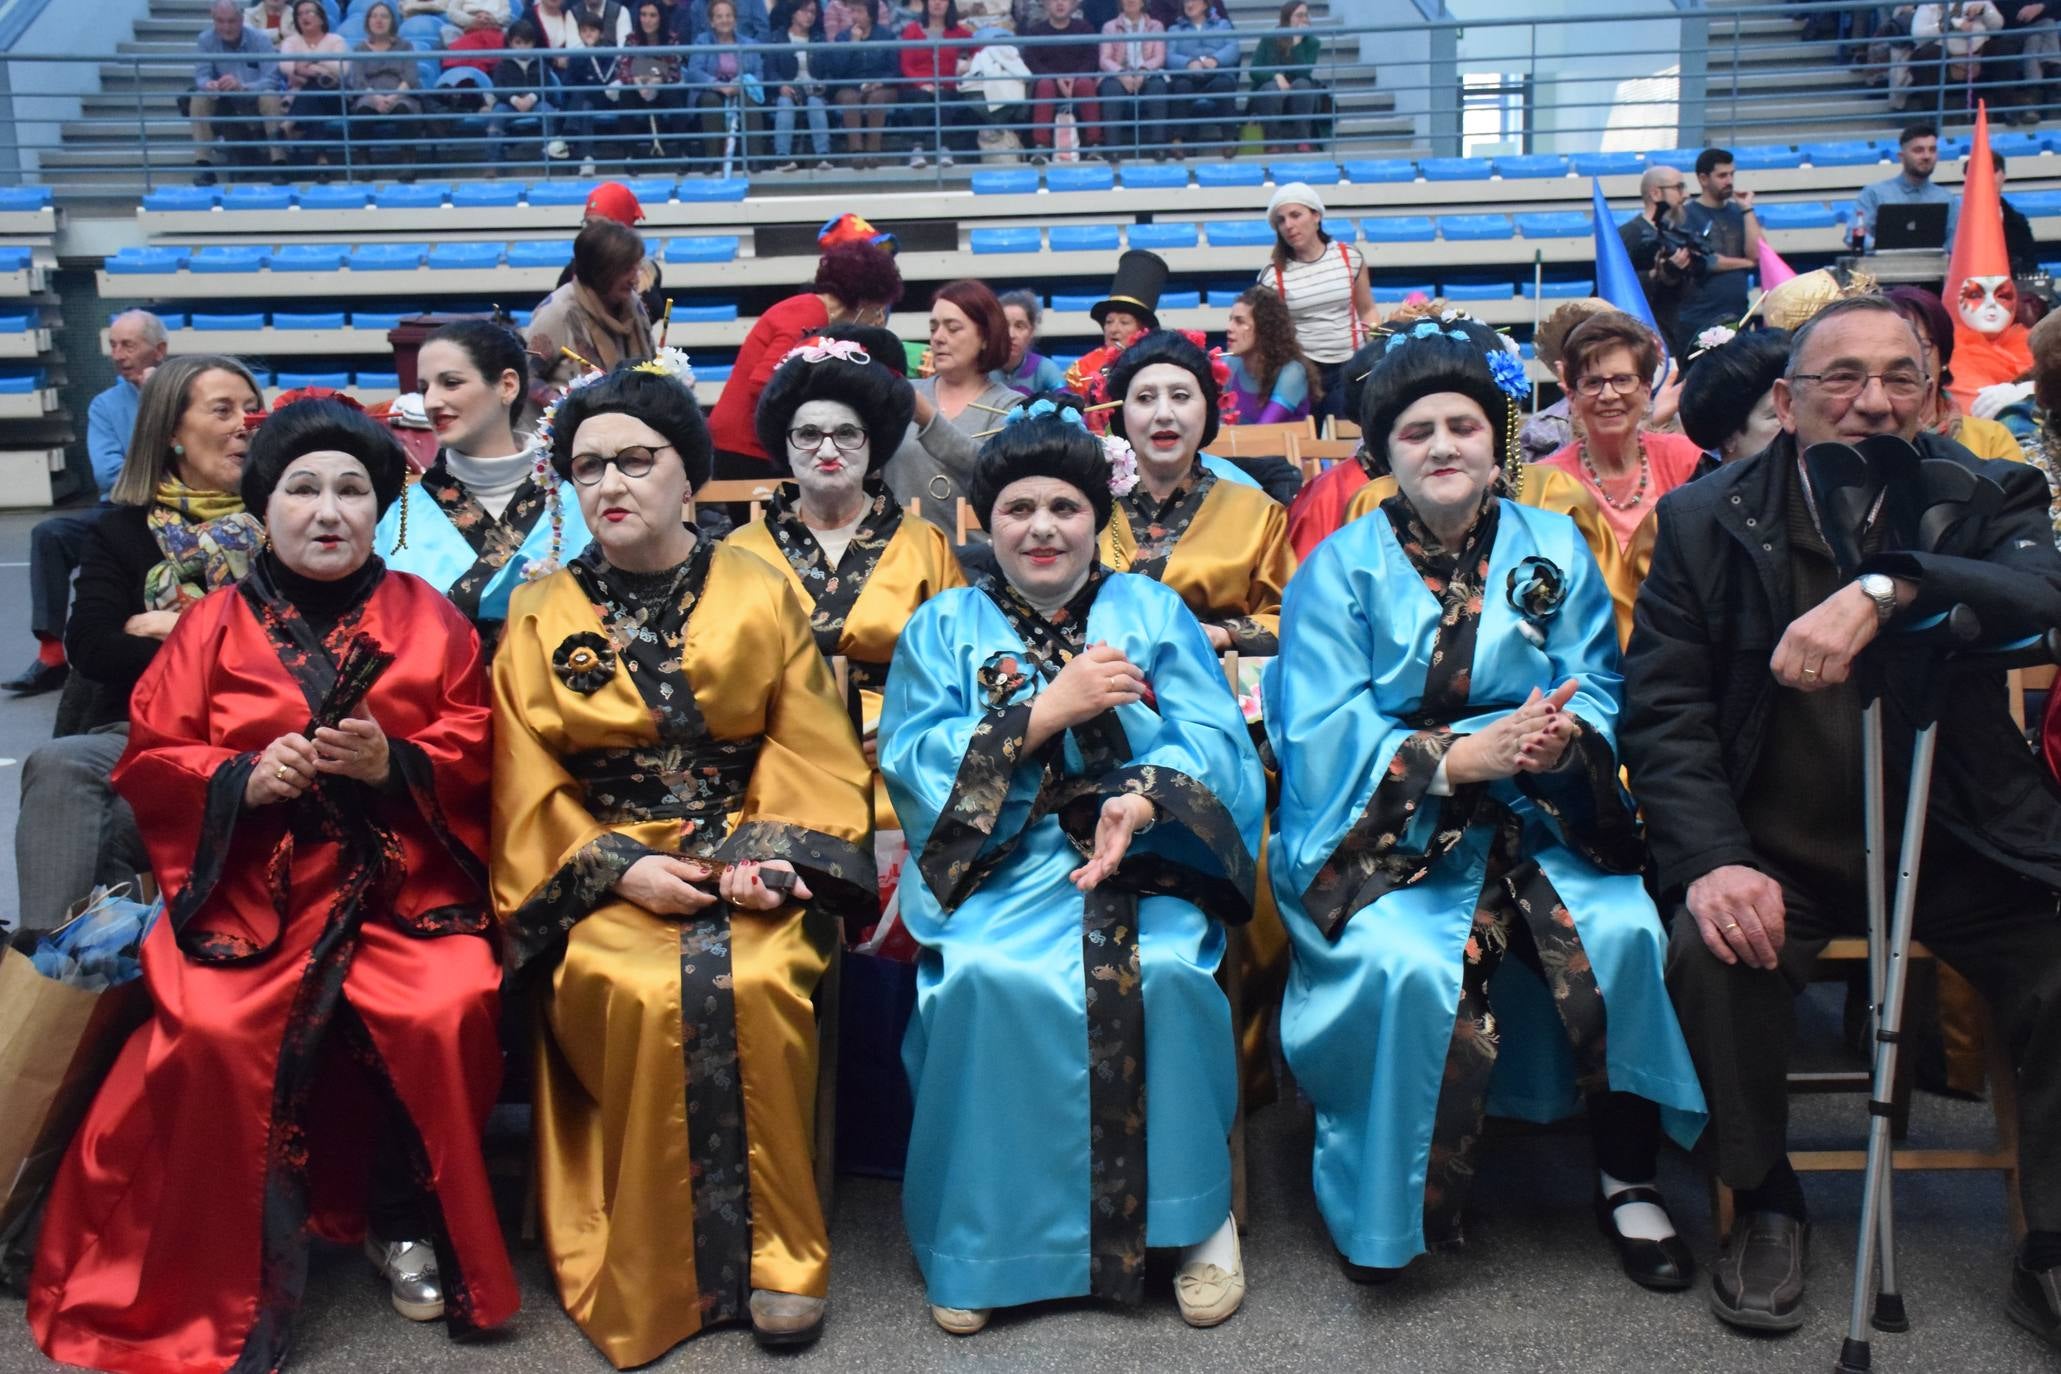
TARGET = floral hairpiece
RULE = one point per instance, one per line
(669, 362)
(1121, 457)
(816, 349)
(1717, 336)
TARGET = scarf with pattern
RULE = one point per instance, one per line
(207, 538)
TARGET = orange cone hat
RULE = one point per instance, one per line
(1979, 241)
(1990, 346)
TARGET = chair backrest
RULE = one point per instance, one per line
(1229, 659)
(1261, 441)
(738, 491)
(965, 523)
(1312, 456)
(1335, 428)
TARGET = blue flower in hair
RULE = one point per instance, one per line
(1045, 407)
(1423, 329)
(1508, 371)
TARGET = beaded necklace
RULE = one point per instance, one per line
(1638, 493)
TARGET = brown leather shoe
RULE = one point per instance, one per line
(785, 1318)
(1757, 1283)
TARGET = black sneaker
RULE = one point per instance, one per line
(2035, 1301)
(1757, 1283)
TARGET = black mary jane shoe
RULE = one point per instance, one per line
(1665, 1266)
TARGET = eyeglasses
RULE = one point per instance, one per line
(1623, 383)
(809, 438)
(635, 461)
(1847, 383)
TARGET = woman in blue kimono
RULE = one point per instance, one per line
(1456, 861)
(1083, 803)
(486, 509)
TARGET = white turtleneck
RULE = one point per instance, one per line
(492, 480)
(1046, 608)
(838, 538)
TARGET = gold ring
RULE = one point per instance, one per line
(1733, 926)
(1810, 672)
(282, 772)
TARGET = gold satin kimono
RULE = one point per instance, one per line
(677, 1057)
(899, 563)
(1551, 489)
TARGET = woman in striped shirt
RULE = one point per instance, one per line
(1322, 282)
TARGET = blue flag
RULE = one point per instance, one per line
(1617, 281)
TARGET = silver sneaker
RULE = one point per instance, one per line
(410, 1270)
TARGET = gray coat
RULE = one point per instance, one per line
(935, 462)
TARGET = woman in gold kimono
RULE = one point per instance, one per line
(680, 813)
(859, 566)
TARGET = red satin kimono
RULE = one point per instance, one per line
(1320, 507)
(322, 964)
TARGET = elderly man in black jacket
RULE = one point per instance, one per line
(1742, 733)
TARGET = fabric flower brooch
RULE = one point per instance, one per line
(1536, 588)
(584, 662)
(1001, 678)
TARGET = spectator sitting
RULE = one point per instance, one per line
(794, 84)
(597, 314)
(517, 101)
(649, 87)
(1065, 75)
(590, 94)
(136, 342)
(1202, 67)
(558, 28)
(485, 38)
(1285, 92)
(861, 69)
(935, 74)
(1272, 381)
(462, 17)
(838, 16)
(1027, 370)
(1917, 153)
(722, 78)
(313, 102)
(2019, 245)
(1133, 86)
(226, 83)
(1962, 28)
(750, 19)
(617, 22)
(380, 87)
(273, 18)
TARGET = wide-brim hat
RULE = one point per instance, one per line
(1140, 277)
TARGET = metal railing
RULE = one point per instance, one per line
(1633, 79)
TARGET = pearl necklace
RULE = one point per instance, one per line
(1638, 493)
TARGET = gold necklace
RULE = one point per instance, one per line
(1638, 494)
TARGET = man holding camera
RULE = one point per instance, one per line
(1722, 223)
(1661, 251)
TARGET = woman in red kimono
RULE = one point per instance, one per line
(308, 764)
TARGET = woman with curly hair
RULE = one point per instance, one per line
(1272, 381)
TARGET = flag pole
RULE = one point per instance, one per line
(1538, 310)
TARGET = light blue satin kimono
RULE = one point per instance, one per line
(1229, 471)
(1369, 1017)
(1013, 1144)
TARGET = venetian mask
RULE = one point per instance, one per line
(1988, 304)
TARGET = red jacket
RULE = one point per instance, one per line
(782, 327)
(917, 64)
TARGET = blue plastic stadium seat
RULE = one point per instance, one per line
(131, 259)
(257, 197)
(651, 191)
(1239, 233)
(294, 381)
(1081, 176)
(1310, 173)
(387, 257)
(1804, 215)
(17, 324)
(297, 320)
(1842, 210)
(1557, 290)
(334, 197)
(540, 253)
(171, 320)
(1472, 228)
(705, 314)
(377, 322)
(309, 257)
(230, 258)
(1402, 290)
(718, 373)
(1073, 304)
(1007, 181)
(1954, 146)
(377, 381)
(1681, 159)
(14, 383)
(2036, 203)
(1229, 174)
(421, 195)
(1399, 229)
(1153, 177)
(1607, 164)
(182, 198)
(1160, 236)
(1022, 240)
(16, 199)
(702, 248)
(1531, 165)
(1477, 290)
(1084, 238)
(211, 323)
(1555, 224)
(1379, 171)
(522, 318)
(1180, 300)
(1455, 168)
(459, 257)
(1854, 152)
(561, 192)
(712, 188)
(2016, 143)
(486, 195)
(19, 259)
(1767, 157)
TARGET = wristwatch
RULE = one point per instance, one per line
(1881, 590)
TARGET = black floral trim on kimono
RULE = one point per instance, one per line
(1157, 526)
(833, 591)
(1250, 637)
(1583, 795)
(582, 883)
(493, 542)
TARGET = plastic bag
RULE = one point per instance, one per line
(101, 947)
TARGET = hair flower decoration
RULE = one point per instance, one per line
(816, 349)
(669, 362)
(1424, 328)
(584, 662)
(1508, 370)
(1123, 465)
(1717, 336)
(1535, 589)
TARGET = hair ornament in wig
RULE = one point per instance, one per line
(816, 349)
(851, 228)
(670, 362)
(1122, 458)
(1717, 336)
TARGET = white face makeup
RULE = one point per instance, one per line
(1165, 412)
(1044, 536)
(830, 475)
(1988, 304)
(321, 515)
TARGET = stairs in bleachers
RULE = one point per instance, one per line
(1766, 85)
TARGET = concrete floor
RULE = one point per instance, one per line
(1537, 1289)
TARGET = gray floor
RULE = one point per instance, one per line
(1536, 1289)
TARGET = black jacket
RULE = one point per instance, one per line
(1698, 689)
(120, 551)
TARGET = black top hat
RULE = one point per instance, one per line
(1140, 277)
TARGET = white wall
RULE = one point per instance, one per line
(44, 94)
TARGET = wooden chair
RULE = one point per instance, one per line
(1261, 441)
(737, 491)
(1314, 455)
(1838, 958)
(1335, 428)
(965, 522)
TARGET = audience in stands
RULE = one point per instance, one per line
(596, 319)
(598, 125)
(384, 90)
(2019, 244)
(720, 76)
(486, 37)
(558, 27)
(273, 18)
(1724, 221)
(1323, 282)
(794, 82)
(245, 94)
(941, 113)
(1133, 91)
(1286, 95)
(1917, 155)
(1065, 84)
(518, 103)
(1027, 370)
(648, 89)
(2022, 56)
(957, 403)
(1272, 382)
(861, 69)
(313, 103)
(1202, 67)
(1962, 29)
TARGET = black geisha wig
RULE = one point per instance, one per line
(321, 425)
(643, 391)
(1428, 356)
(1176, 350)
(1050, 440)
(831, 370)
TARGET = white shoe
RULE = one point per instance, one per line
(825, 166)
(410, 1270)
(787, 167)
(557, 150)
(960, 1321)
(945, 160)
(1206, 1293)
(917, 159)
(587, 168)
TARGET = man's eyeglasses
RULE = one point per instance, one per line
(1623, 383)
(1847, 383)
(635, 461)
(809, 438)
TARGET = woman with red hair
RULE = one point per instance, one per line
(956, 403)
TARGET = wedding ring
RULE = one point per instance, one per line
(1734, 925)
(1116, 684)
(282, 772)
(1810, 673)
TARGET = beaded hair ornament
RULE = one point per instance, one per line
(1122, 460)
(816, 349)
